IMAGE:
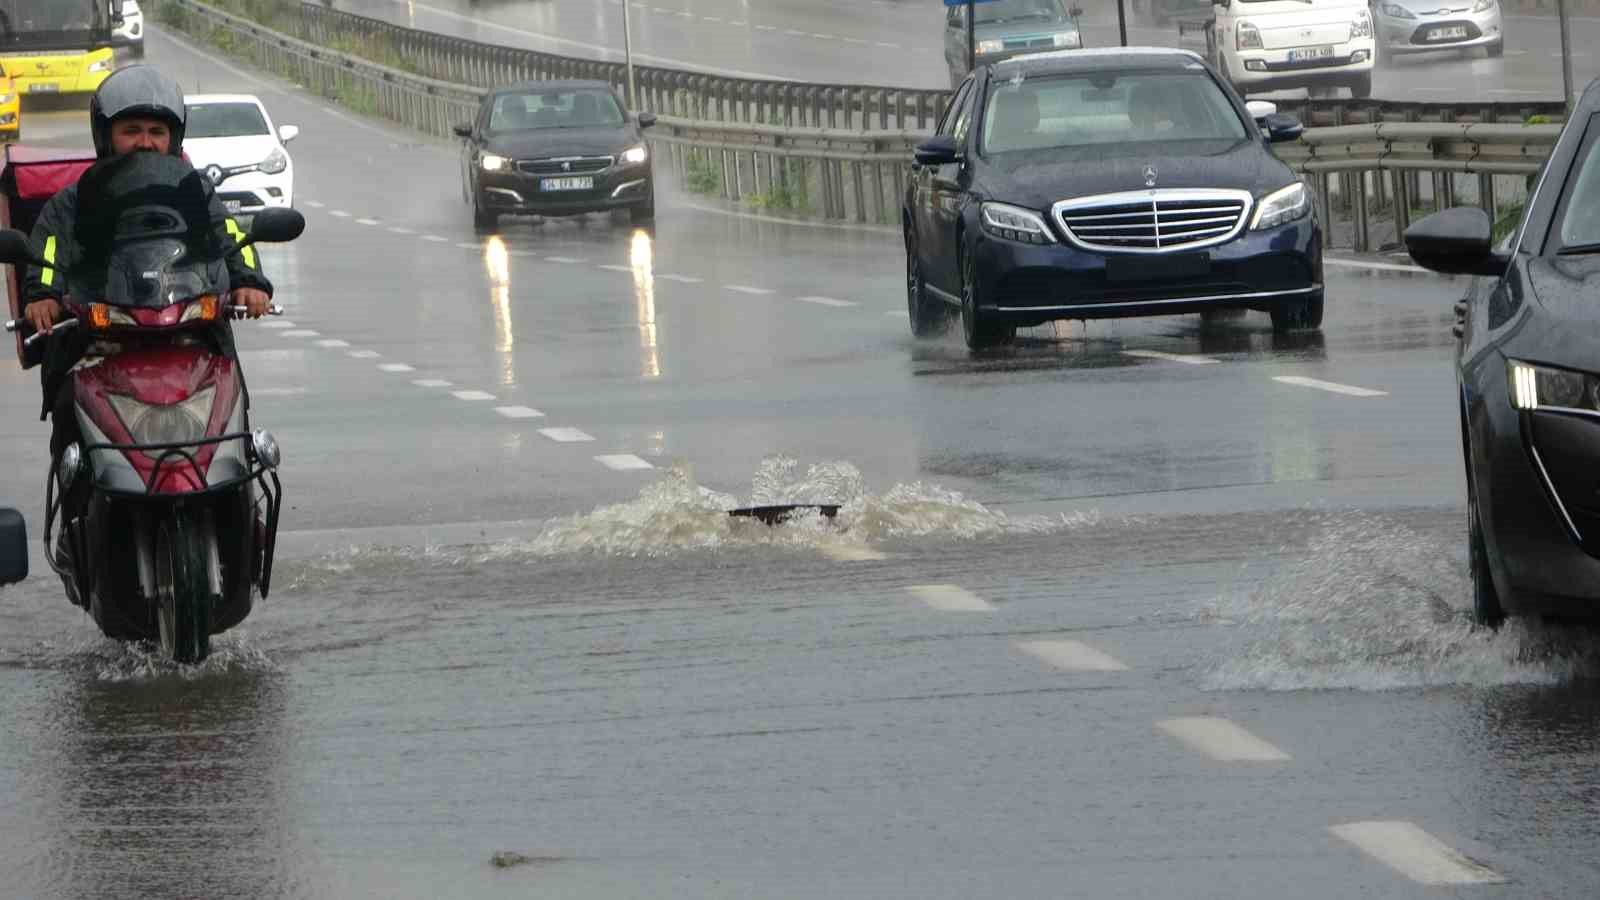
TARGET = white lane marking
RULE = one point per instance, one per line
(1186, 358)
(366, 221)
(1414, 853)
(431, 383)
(566, 435)
(792, 33)
(278, 323)
(614, 268)
(301, 332)
(1074, 656)
(851, 553)
(333, 342)
(277, 392)
(364, 354)
(766, 28)
(1221, 740)
(313, 204)
(1375, 266)
(472, 396)
(747, 289)
(622, 462)
(949, 598)
(682, 279)
(825, 301)
(851, 40)
(886, 45)
(395, 229)
(714, 19)
(435, 238)
(466, 246)
(395, 367)
(519, 412)
(339, 212)
(1330, 386)
(564, 260)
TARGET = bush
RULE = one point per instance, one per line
(704, 176)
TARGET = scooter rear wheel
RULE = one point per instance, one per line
(182, 558)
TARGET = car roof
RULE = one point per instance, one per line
(1099, 59)
(568, 84)
(222, 98)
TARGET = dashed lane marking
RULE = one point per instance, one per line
(1414, 853)
(1186, 358)
(466, 246)
(949, 598)
(364, 354)
(472, 396)
(1375, 266)
(682, 279)
(825, 301)
(747, 289)
(564, 260)
(333, 343)
(1073, 656)
(301, 332)
(366, 221)
(609, 267)
(623, 462)
(277, 324)
(431, 383)
(339, 212)
(395, 367)
(435, 239)
(313, 204)
(396, 229)
(519, 412)
(1221, 739)
(566, 435)
(1330, 386)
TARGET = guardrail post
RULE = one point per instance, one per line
(1323, 185)
(1486, 197)
(1402, 203)
(858, 176)
(1363, 236)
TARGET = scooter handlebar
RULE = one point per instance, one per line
(273, 310)
(13, 324)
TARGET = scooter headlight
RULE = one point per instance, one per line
(266, 447)
(178, 423)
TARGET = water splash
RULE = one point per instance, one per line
(119, 661)
(1377, 605)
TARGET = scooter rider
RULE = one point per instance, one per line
(137, 109)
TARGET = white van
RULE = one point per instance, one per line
(1270, 45)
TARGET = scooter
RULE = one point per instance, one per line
(169, 505)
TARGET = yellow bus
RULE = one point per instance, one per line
(58, 46)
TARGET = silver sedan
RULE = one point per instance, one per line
(1415, 26)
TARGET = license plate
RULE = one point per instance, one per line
(1448, 34)
(44, 87)
(1305, 54)
(232, 206)
(1156, 267)
(567, 184)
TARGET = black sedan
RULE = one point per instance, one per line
(1529, 383)
(1104, 183)
(556, 148)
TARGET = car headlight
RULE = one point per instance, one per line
(492, 163)
(1247, 37)
(7, 98)
(1362, 26)
(275, 163)
(103, 65)
(636, 155)
(1483, 6)
(1541, 387)
(991, 46)
(1281, 207)
(1395, 10)
(178, 423)
(1068, 39)
(1015, 223)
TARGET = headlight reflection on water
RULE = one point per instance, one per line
(497, 262)
(641, 256)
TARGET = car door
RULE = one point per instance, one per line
(929, 246)
(947, 193)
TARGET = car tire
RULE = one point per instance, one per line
(483, 220)
(1298, 315)
(981, 332)
(1361, 88)
(644, 213)
(1486, 608)
(1497, 49)
(928, 316)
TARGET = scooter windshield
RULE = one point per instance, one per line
(145, 226)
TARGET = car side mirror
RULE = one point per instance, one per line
(1456, 241)
(939, 150)
(462, 130)
(647, 120)
(16, 250)
(13, 547)
(1076, 12)
(1282, 127)
(276, 225)
(288, 133)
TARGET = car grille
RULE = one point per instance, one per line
(1154, 221)
(570, 165)
(1032, 42)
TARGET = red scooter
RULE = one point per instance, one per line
(169, 504)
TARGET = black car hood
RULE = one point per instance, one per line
(1038, 179)
(562, 142)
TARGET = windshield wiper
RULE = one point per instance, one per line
(1579, 249)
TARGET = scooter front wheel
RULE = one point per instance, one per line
(183, 589)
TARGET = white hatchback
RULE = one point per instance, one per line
(231, 138)
(1269, 45)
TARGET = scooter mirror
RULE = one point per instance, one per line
(276, 226)
(15, 249)
(13, 547)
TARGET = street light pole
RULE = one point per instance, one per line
(1566, 54)
(627, 50)
(1122, 20)
(972, 45)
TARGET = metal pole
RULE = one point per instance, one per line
(972, 44)
(627, 51)
(1566, 53)
(1122, 21)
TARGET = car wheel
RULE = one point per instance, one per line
(1497, 49)
(980, 331)
(483, 220)
(1361, 88)
(645, 212)
(1298, 315)
(927, 316)
(1486, 608)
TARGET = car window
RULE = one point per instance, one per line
(1107, 109)
(1580, 220)
(207, 120)
(947, 125)
(964, 119)
(533, 110)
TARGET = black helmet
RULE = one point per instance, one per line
(140, 91)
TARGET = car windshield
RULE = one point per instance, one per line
(535, 110)
(1106, 109)
(208, 120)
(1016, 11)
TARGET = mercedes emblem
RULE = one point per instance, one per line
(1149, 176)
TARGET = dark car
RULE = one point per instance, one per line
(1529, 380)
(1105, 183)
(556, 148)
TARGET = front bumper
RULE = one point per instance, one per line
(85, 83)
(1537, 476)
(1034, 283)
(255, 191)
(619, 187)
(1424, 32)
(1261, 70)
(131, 32)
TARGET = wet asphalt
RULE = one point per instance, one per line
(1116, 612)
